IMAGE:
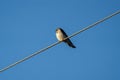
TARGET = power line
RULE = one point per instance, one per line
(94, 24)
(74, 34)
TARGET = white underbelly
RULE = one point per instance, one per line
(60, 36)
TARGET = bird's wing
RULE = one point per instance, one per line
(64, 33)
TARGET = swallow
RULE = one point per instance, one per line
(61, 35)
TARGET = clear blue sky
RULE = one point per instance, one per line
(27, 26)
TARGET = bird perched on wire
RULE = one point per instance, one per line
(61, 35)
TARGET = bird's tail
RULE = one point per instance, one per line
(70, 43)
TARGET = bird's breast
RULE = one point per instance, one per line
(60, 36)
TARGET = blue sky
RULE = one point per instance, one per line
(27, 26)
